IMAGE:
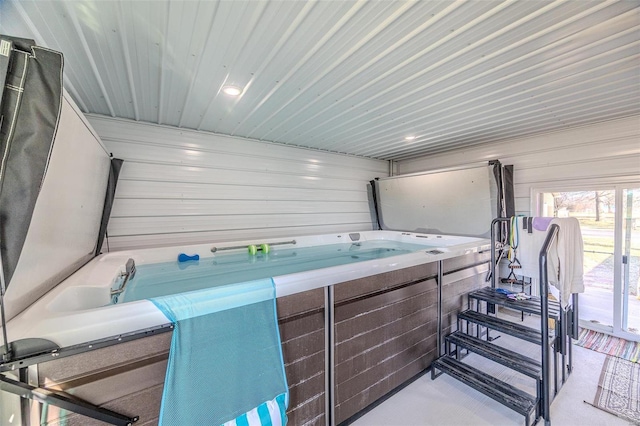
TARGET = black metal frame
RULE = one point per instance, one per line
(560, 346)
(55, 353)
(545, 402)
(18, 360)
(493, 247)
(64, 401)
(439, 283)
(568, 322)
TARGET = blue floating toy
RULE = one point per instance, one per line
(182, 257)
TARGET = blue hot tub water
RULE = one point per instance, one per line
(161, 279)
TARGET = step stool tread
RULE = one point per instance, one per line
(514, 329)
(530, 306)
(514, 360)
(514, 398)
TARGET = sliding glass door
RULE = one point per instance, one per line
(610, 223)
(631, 260)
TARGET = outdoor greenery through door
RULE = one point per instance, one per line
(610, 224)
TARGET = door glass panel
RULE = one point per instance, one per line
(596, 212)
(631, 260)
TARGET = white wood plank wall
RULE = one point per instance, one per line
(180, 187)
(606, 153)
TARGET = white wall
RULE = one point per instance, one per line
(606, 153)
(180, 186)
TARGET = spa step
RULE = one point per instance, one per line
(530, 306)
(504, 393)
(514, 329)
(515, 361)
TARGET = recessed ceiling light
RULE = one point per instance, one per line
(232, 90)
(409, 138)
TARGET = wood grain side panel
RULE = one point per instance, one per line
(302, 331)
(362, 286)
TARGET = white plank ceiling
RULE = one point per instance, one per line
(353, 77)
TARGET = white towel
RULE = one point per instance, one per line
(564, 261)
(567, 262)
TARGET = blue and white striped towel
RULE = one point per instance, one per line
(270, 413)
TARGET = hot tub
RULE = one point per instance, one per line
(80, 309)
(359, 315)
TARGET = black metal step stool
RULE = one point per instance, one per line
(550, 342)
(514, 360)
(494, 323)
(504, 393)
(559, 339)
(529, 306)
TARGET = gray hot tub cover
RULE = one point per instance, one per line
(30, 109)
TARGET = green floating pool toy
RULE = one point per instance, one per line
(254, 249)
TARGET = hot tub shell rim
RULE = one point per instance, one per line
(48, 319)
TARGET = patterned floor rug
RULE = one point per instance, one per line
(619, 389)
(609, 345)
